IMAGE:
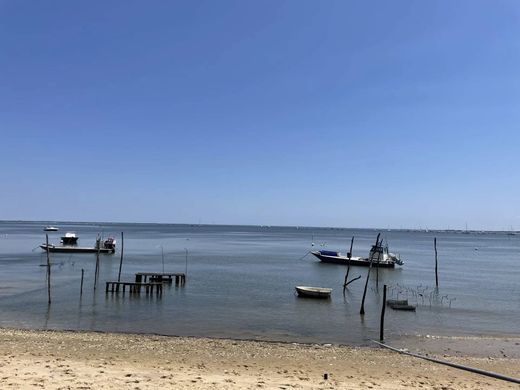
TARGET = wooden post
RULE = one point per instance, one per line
(121, 261)
(436, 270)
(48, 268)
(81, 287)
(162, 256)
(348, 264)
(377, 270)
(382, 326)
(362, 311)
(186, 268)
(96, 271)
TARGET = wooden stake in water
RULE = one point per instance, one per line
(48, 268)
(81, 286)
(362, 311)
(436, 269)
(377, 273)
(186, 268)
(348, 264)
(382, 326)
(121, 261)
(96, 271)
(162, 256)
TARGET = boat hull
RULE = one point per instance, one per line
(313, 292)
(343, 260)
(76, 249)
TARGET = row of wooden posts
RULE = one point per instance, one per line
(96, 272)
(347, 282)
(179, 278)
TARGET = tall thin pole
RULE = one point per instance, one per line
(186, 267)
(377, 273)
(96, 271)
(362, 311)
(121, 261)
(162, 255)
(348, 266)
(436, 268)
(48, 268)
(81, 287)
(382, 326)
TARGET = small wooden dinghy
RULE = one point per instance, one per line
(313, 292)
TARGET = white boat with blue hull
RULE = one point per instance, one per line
(379, 256)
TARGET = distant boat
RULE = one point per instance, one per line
(313, 292)
(108, 246)
(50, 229)
(386, 259)
(69, 239)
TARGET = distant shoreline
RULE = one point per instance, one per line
(426, 230)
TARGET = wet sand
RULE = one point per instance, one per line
(89, 360)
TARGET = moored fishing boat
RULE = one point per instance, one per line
(108, 246)
(379, 256)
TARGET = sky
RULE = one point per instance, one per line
(389, 114)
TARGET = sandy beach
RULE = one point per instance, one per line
(89, 360)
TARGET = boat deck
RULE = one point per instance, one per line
(75, 249)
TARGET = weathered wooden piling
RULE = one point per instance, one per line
(362, 310)
(48, 268)
(81, 285)
(382, 325)
(186, 268)
(134, 287)
(436, 268)
(377, 271)
(121, 261)
(96, 271)
(348, 264)
(166, 277)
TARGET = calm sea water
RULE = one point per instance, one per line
(240, 283)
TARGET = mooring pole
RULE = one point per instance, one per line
(186, 267)
(121, 261)
(362, 311)
(377, 273)
(382, 326)
(48, 268)
(96, 271)
(81, 286)
(348, 264)
(436, 268)
(162, 256)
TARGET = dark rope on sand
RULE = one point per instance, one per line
(455, 365)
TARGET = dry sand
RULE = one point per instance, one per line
(88, 360)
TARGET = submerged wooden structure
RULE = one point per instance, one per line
(161, 277)
(134, 287)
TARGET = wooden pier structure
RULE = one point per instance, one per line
(160, 277)
(134, 287)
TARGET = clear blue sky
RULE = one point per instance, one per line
(317, 113)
